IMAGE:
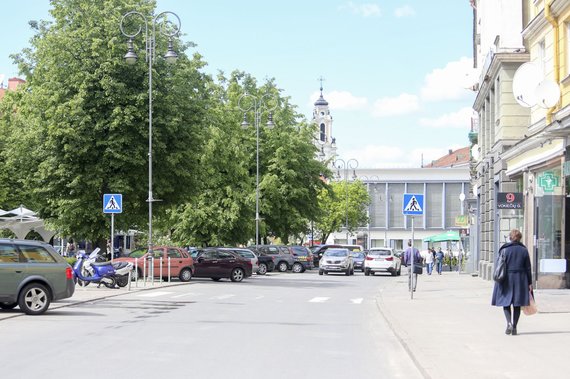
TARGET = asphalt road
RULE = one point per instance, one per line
(275, 326)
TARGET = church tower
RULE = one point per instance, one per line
(322, 117)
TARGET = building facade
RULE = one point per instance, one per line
(523, 146)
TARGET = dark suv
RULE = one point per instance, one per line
(282, 258)
(303, 258)
(32, 275)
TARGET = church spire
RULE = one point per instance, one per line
(321, 100)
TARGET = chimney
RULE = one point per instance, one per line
(13, 83)
(450, 151)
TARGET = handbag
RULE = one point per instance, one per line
(418, 269)
(500, 273)
(531, 308)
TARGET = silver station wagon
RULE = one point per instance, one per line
(32, 275)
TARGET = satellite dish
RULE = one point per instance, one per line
(547, 93)
(526, 79)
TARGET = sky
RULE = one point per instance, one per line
(396, 73)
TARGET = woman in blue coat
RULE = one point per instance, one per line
(514, 290)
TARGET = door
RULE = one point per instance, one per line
(204, 262)
(176, 261)
(11, 272)
(226, 264)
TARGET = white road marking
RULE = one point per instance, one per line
(357, 301)
(259, 297)
(185, 294)
(319, 299)
(154, 294)
(223, 297)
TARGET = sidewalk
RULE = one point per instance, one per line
(451, 331)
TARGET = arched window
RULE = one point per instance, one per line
(323, 133)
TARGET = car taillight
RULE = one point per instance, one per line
(68, 273)
(389, 259)
(369, 258)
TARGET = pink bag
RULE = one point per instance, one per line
(531, 308)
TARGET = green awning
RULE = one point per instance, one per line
(450, 235)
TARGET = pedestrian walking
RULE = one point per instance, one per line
(429, 262)
(69, 249)
(450, 257)
(439, 261)
(514, 291)
(408, 254)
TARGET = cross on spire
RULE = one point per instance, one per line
(321, 79)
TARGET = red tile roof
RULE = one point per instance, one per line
(459, 157)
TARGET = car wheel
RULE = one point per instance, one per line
(34, 299)
(347, 272)
(320, 272)
(366, 272)
(8, 305)
(297, 267)
(399, 270)
(362, 268)
(352, 271)
(237, 275)
(216, 279)
(282, 266)
(185, 275)
(262, 270)
(122, 280)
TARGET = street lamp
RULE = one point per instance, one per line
(351, 164)
(169, 30)
(367, 179)
(258, 105)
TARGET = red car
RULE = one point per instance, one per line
(181, 263)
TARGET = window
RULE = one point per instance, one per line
(378, 205)
(8, 254)
(323, 137)
(174, 253)
(452, 203)
(433, 205)
(396, 198)
(36, 254)
(225, 255)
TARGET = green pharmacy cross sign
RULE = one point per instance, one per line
(548, 181)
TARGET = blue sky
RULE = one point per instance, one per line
(395, 71)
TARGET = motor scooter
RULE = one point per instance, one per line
(87, 270)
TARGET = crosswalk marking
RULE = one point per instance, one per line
(357, 301)
(154, 294)
(223, 297)
(319, 299)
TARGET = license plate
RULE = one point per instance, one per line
(379, 259)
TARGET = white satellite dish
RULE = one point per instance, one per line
(526, 79)
(547, 93)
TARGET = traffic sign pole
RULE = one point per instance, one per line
(412, 266)
(112, 235)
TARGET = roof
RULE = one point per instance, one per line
(459, 157)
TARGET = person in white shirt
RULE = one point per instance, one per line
(429, 262)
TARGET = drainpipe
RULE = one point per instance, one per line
(554, 22)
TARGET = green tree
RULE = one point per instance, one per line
(224, 211)
(343, 201)
(82, 123)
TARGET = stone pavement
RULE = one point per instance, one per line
(451, 330)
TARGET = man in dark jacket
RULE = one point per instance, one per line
(412, 251)
(514, 290)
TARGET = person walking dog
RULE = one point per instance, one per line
(514, 290)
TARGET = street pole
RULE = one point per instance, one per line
(131, 58)
(345, 165)
(412, 266)
(257, 106)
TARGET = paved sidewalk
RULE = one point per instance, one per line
(450, 329)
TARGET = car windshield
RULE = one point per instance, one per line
(357, 255)
(336, 253)
(379, 252)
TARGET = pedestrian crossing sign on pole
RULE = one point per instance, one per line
(413, 204)
(112, 203)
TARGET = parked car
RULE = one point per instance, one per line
(245, 253)
(358, 257)
(32, 275)
(336, 260)
(181, 263)
(217, 263)
(321, 249)
(382, 259)
(303, 258)
(282, 258)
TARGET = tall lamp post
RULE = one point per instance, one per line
(351, 164)
(258, 105)
(169, 30)
(367, 179)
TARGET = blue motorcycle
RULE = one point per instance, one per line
(87, 270)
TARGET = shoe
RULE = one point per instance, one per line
(509, 328)
(514, 331)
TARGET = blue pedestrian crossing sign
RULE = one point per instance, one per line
(413, 204)
(112, 203)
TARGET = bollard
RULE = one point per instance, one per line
(130, 272)
(160, 279)
(144, 272)
(168, 269)
(136, 272)
(151, 270)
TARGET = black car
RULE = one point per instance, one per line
(358, 257)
